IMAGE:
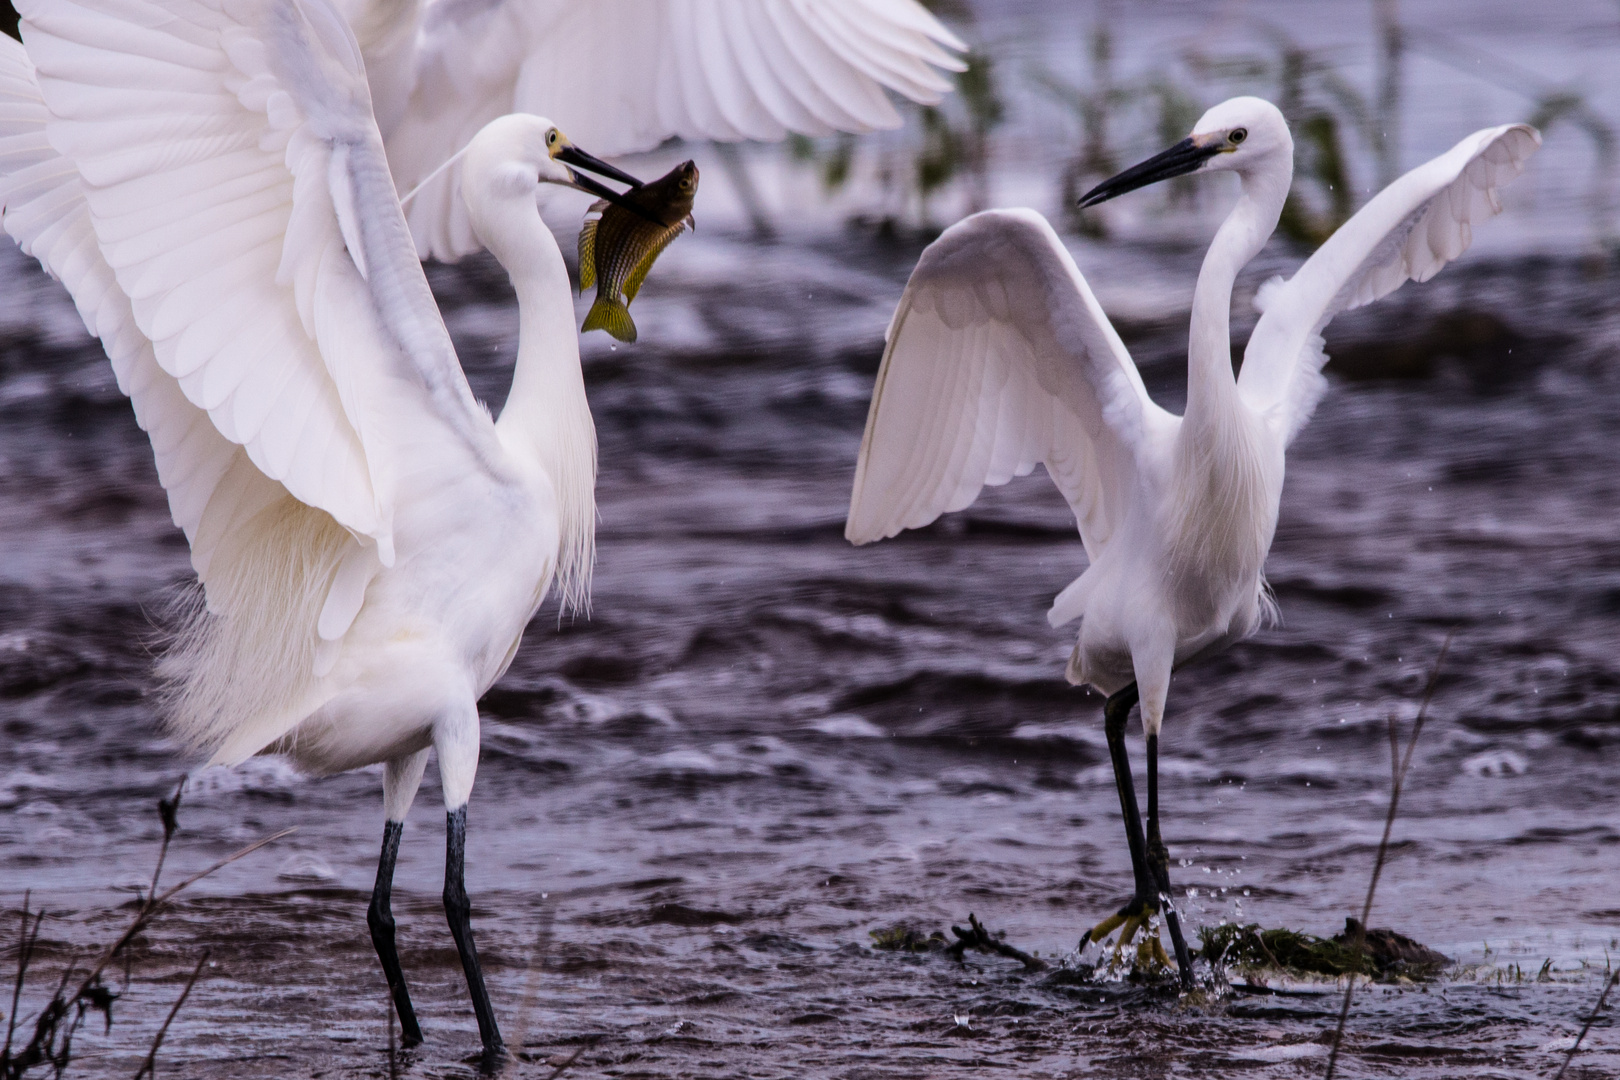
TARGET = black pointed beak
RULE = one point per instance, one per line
(595, 187)
(579, 159)
(1182, 158)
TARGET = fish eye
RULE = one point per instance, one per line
(1237, 135)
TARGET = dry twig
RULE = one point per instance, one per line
(25, 950)
(1603, 997)
(1398, 764)
(531, 989)
(54, 1027)
(149, 1066)
(977, 937)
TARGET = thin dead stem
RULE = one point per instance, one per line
(1398, 781)
(25, 950)
(571, 1058)
(1260, 941)
(157, 902)
(149, 1066)
(531, 989)
(59, 1020)
(1603, 997)
(393, 1058)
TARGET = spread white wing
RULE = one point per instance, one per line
(213, 487)
(623, 75)
(247, 260)
(1000, 357)
(1408, 231)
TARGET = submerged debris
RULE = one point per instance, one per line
(977, 937)
(903, 938)
(1385, 954)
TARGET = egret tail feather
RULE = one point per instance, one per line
(239, 672)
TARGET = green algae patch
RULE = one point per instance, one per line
(1380, 953)
(903, 938)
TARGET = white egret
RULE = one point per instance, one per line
(207, 179)
(624, 75)
(999, 357)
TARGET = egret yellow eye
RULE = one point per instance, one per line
(1237, 135)
(551, 137)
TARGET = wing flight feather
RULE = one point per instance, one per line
(1407, 232)
(238, 191)
(45, 212)
(621, 76)
(1000, 358)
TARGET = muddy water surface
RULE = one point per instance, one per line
(694, 807)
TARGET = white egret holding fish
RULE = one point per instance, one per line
(208, 181)
(999, 358)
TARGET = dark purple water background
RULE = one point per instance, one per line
(764, 744)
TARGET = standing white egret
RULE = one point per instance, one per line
(207, 179)
(999, 357)
(624, 75)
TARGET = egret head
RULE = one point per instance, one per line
(1239, 135)
(513, 155)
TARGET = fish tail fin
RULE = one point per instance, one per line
(613, 315)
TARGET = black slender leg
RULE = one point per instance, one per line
(458, 910)
(1159, 863)
(380, 917)
(1116, 710)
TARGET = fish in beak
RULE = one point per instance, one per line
(577, 160)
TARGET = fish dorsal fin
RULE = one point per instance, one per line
(587, 244)
(587, 254)
(632, 285)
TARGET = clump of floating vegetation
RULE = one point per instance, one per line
(903, 938)
(1383, 954)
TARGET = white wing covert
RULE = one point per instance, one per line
(238, 190)
(999, 357)
(620, 76)
(1407, 232)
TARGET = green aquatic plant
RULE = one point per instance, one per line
(1377, 954)
(903, 938)
(938, 146)
(1250, 946)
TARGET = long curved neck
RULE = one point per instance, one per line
(546, 419)
(1241, 236)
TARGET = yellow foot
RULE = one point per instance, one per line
(1104, 928)
(1150, 952)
